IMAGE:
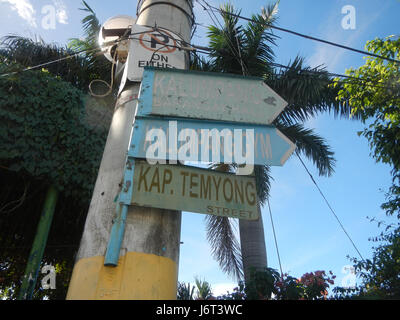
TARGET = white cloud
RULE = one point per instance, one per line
(219, 289)
(61, 11)
(330, 56)
(24, 9)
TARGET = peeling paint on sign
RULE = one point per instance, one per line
(191, 189)
(211, 96)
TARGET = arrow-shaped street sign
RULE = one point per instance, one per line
(205, 95)
(200, 141)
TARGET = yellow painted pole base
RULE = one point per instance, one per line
(139, 276)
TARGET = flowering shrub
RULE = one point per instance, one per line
(269, 284)
(316, 284)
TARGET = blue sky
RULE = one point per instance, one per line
(309, 237)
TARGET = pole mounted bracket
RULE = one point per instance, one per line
(119, 224)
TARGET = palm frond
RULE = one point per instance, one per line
(91, 24)
(263, 182)
(99, 65)
(204, 290)
(185, 292)
(224, 245)
(308, 92)
(29, 52)
(237, 49)
(223, 42)
(270, 13)
(257, 49)
(220, 234)
(312, 146)
(199, 63)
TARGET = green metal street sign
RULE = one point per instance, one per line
(205, 95)
(190, 189)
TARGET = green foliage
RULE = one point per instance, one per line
(44, 133)
(21, 203)
(269, 284)
(248, 50)
(80, 61)
(98, 65)
(20, 53)
(261, 284)
(185, 291)
(237, 294)
(315, 284)
(204, 291)
(45, 139)
(289, 288)
(376, 99)
(380, 275)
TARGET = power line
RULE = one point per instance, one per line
(184, 46)
(304, 35)
(329, 206)
(49, 63)
(276, 64)
(276, 242)
(199, 49)
(232, 46)
(367, 82)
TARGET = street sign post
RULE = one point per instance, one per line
(269, 145)
(190, 189)
(205, 95)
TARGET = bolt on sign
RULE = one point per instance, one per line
(190, 189)
(154, 47)
(206, 95)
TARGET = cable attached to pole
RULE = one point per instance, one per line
(329, 206)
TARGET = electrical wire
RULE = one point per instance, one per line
(317, 72)
(215, 20)
(329, 206)
(238, 56)
(275, 239)
(186, 47)
(50, 62)
(206, 51)
(110, 86)
(303, 35)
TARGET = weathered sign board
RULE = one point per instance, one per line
(270, 146)
(190, 189)
(155, 47)
(205, 95)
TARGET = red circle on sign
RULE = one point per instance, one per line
(154, 39)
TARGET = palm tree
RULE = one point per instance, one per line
(247, 50)
(81, 61)
(204, 291)
(185, 291)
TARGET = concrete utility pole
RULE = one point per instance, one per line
(148, 264)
